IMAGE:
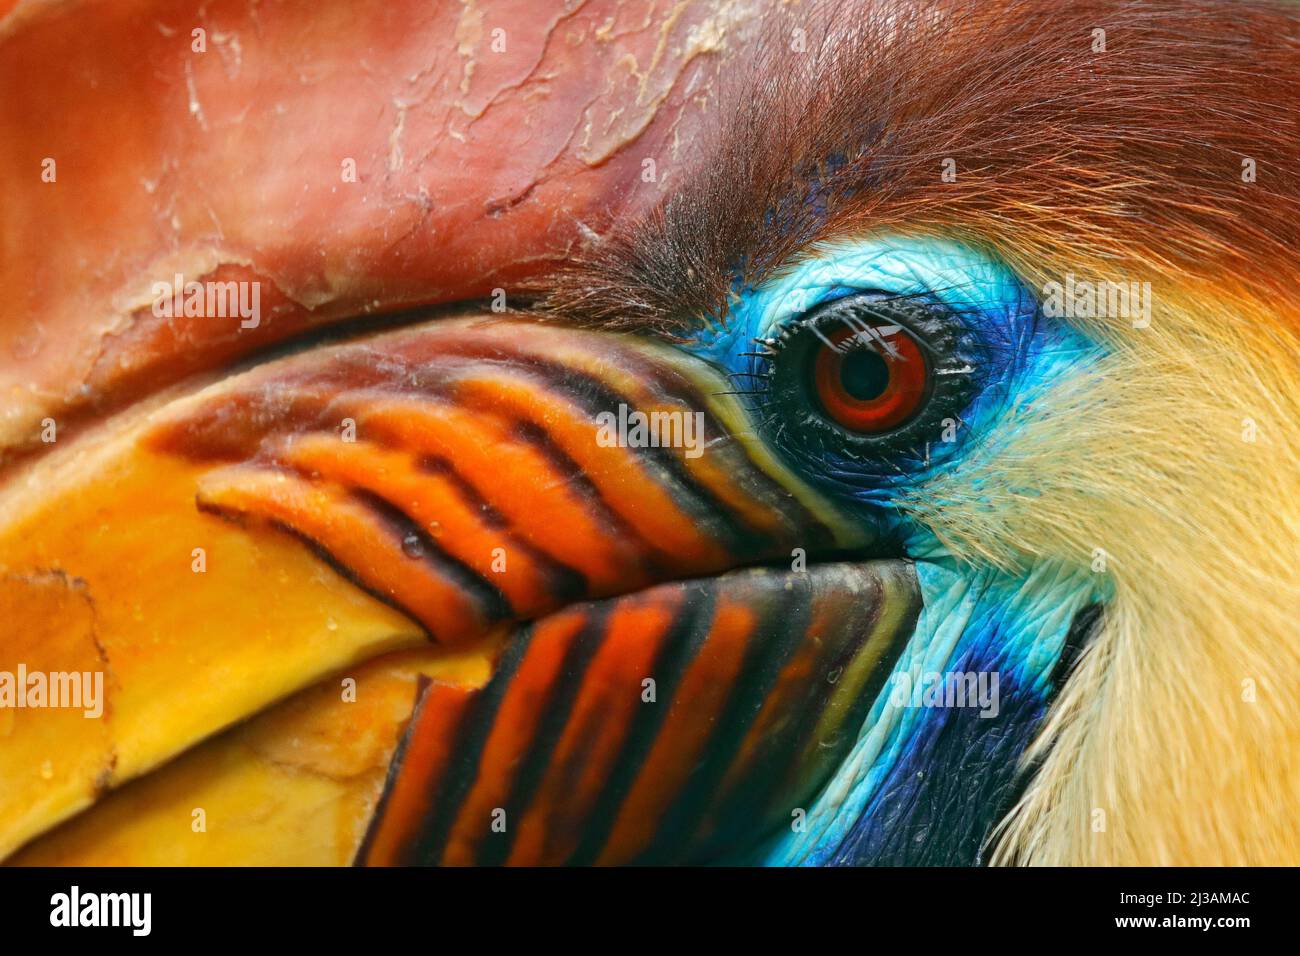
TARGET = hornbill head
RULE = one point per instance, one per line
(534, 433)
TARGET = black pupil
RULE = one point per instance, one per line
(864, 374)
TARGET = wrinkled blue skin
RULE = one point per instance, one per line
(926, 785)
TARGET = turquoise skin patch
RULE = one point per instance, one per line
(1025, 352)
(950, 272)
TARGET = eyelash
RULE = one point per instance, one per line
(777, 378)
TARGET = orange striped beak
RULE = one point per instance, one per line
(529, 594)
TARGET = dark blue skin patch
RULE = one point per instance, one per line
(923, 818)
(958, 775)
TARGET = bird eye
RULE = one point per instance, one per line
(870, 378)
(869, 374)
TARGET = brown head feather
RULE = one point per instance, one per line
(1131, 155)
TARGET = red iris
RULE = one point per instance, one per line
(870, 381)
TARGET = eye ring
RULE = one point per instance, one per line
(938, 381)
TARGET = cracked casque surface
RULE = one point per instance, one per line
(479, 169)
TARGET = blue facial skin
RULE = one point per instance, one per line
(926, 784)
